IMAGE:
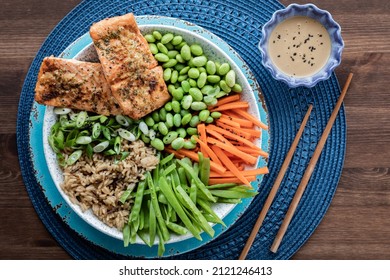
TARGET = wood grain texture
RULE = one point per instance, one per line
(356, 225)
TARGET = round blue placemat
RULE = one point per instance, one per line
(239, 24)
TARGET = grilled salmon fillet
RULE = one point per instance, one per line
(132, 72)
(75, 84)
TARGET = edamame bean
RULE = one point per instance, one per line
(184, 112)
(171, 88)
(163, 49)
(184, 70)
(193, 73)
(175, 75)
(149, 121)
(168, 106)
(166, 38)
(192, 130)
(182, 132)
(203, 115)
(179, 58)
(167, 74)
(172, 135)
(176, 106)
(193, 138)
(172, 53)
(224, 86)
(202, 70)
(182, 78)
(216, 115)
(192, 82)
(177, 120)
(178, 94)
(194, 121)
(189, 145)
(186, 86)
(202, 80)
(179, 66)
(157, 144)
(211, 68)
(199, 61)
(170, 63)
(177, 40)
(198, 106)
(206, 89)
(185, 52)
(186, 119)
(196, 94)
(186, 102)
(209, 120)
(156, 116)
(237, 88)
(169, 46)
(150, 38)
(223, 69)
(230, 78)
(178, 143)
(210, 100)
(157, 35)
(162, 128)
(163, 114)
(169, 120)
(160, 57)
(213, 79)
(196, 49)
(145, 138)
(153, 48)
(154, 127)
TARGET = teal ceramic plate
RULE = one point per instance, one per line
(85, 223)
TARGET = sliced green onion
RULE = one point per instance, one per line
(74, 157)
(125, 134)
(101, 147)
(83, 140)
(122, 120)
(61, 111)
(81, 118)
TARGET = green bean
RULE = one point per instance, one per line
(178, 229)
(126, 235)
(199, 61)
(203, 115)
(193, 73)
(169, 194)
(157, 144)
(162, 128)
(172, 135)
(169, 169)
(213, 79)
(185, 52)
(167, 74)
(166, 38)
(170, 63)
(161, 57)
(178, 143)
(101, 147)
(152, 225)
(75, 156)
(157, 35)
(135, 209)
(196, 49)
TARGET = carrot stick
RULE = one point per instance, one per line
(214, 181)
(235, 130)
(241, 122)
(251, 151)
(231, 106)
(231, 135)
(219, 136)
(247, 158)
(253, 119)
(228, 99)
(228, 121)
(253, 132)
(246, 173)
(202, 135)
(230, 165)
(208, 150)
(194, 156)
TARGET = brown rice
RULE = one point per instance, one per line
(97, 183)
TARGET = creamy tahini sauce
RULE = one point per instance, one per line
(299, 46)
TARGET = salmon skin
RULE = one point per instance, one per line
(130, 68)
(75, 84)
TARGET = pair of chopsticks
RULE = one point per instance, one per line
(305, 179)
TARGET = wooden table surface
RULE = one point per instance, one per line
(357, 224)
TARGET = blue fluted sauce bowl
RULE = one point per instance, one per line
(333, 29)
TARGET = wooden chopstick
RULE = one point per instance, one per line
(309, 170)
(275, 187)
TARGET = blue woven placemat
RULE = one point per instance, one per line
(239, 24)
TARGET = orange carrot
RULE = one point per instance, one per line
(228, 121)
(214, 181)
(202, 135)
(241, 122)
(231, 135)
(253, 119)
(247, 158)
(228, 99)
(208, 150)
(231, 106)
(230, 165)
(219, 136)
(246, 173)
(235, 130)
(252, 151)
(253, 132)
